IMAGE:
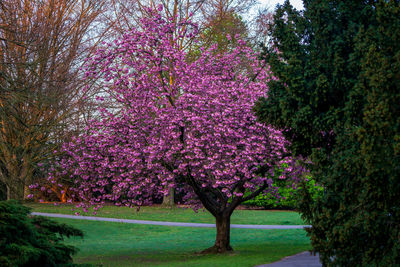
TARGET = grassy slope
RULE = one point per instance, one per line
(181, 215)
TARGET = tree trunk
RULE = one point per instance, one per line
(222, 241)
(26, 175)
(15, 192)
(18, 178)
(168, 200)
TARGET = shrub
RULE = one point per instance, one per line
(288, 196)
(32, 240)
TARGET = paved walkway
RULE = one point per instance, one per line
(92, 218)
(303, 259)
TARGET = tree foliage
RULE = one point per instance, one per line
(32, 241)
(338, 95)
(177, 124)
(214, 19)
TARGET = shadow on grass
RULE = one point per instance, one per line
(242, 256)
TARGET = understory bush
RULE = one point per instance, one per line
(27, 240)
(288, 197)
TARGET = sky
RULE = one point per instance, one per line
(271, 4)
(298, 4)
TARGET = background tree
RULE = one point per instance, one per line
(218, 29)
(221, 18)
(199, 133)
(337, 95)
(42, 44)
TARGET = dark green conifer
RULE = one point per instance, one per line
(338, 96)
(32, 240)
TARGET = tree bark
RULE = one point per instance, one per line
(222, 241)
(18, 180)
(15, 192)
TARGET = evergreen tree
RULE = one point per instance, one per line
(337, 95)
(33, 240)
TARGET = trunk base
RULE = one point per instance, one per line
(168, 200)
(168, 205)
(217, 250)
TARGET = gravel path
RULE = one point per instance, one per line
(92, 218)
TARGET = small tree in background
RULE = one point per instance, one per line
(198, 131)
(338, 96)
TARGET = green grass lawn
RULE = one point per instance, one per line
(179, 214)
(120, 244)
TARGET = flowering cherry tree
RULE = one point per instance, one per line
(176, 123)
